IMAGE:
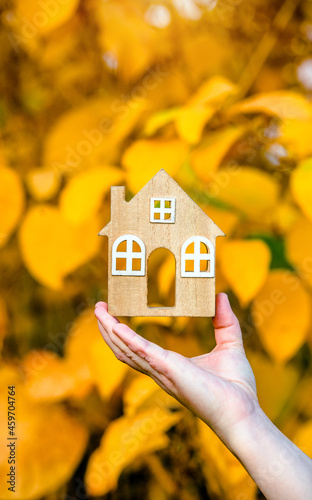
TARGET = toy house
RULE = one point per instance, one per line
(160, 215)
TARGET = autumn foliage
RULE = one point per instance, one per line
(95, 94)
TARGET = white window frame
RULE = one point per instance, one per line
(129, 255)
(197, 257)
(162, 210)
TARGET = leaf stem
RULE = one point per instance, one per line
(266, 45)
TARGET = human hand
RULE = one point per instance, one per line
(218, 386)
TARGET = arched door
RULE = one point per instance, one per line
(161, 272)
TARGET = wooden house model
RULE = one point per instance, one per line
(160, 215)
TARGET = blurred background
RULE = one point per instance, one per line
(98, 93)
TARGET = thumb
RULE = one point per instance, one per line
(227, 328)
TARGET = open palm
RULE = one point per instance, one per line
(219, 386)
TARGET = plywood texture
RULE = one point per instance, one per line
(127, 295)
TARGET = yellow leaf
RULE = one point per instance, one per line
(159, 120)
(303, 438)
(225, 219)
(299, 248)
(281, 103)
(194, 114)
(143, 393)
(275, 383)
(43, 433)
(144, 158)
(245, 188)
(51, 247)
(38, 17)
(301, 186)
(50, 378)
(190, 122)
(94, 359)
(214, 90)
(295, 135)
(206, 159)
(140, 389)
(90, 135)
(11, 201)
(225, 475)
(283, 216)
(81, 199)
(84, 326)
(281, 314)
(43, 183)
(105, 367)
(245, 265)
(124, 440)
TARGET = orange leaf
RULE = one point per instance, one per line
(144, 393)
(281, 314)
(295, 135)
(43, 433)
(275, 383)
(247, 189)
(43, 183)
(213, 91)
(52, 248)
(124, 440)
(144, 158)
(90, 135)
(245, 265)
(50, 378)
(299, 248)
(81, 199)
(190, 122)
(225, 475)
(282, 103)
(207, 158)
(301, 186)
(107, 371)
(95, 360)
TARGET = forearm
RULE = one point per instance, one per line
(279, 468)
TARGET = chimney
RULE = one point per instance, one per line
(117, 200)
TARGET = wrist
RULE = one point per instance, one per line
(279, 468)
(247, 434)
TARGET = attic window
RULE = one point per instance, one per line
(162, 210)
(197, 258)
(128, 256)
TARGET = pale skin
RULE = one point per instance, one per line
(220, 388)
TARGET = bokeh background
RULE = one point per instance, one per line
(99, 93)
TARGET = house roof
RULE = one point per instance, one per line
(164, 179)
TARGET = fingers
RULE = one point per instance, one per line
(227, 328)
(106, 323)
(152, 354)
(134, 353)
(165, 367)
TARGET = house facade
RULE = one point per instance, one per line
(161, 215)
